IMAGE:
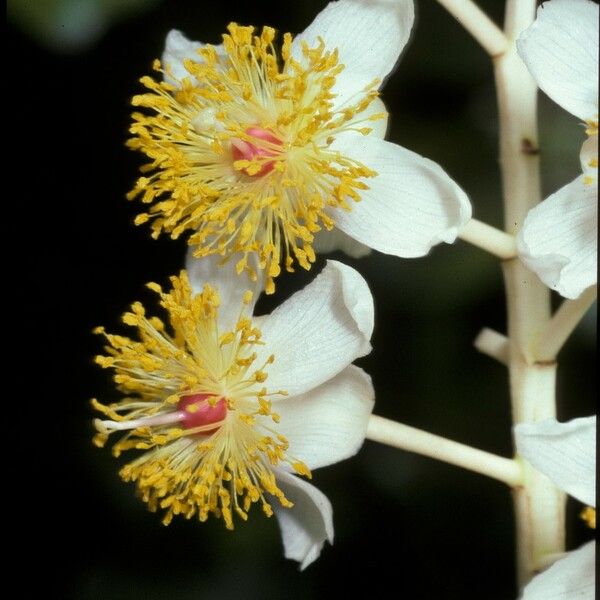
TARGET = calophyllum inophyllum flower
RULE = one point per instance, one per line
(558, 240)
(566, 453)
(276, 148)
(231, 410)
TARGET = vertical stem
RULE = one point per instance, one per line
(539, 506)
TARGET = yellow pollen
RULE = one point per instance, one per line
(220, 468)
(588, 514)
(245, 96)
(592, 163)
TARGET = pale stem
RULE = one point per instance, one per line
(539, 505)
(478, 24)
(493, 344)
(562, 324)
(421, 442)
(488, 238)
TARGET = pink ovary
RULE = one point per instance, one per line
(243, 150)
(196, 411)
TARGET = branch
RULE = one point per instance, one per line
(562, 324)
(486, 237)
(408, 438)
(478, 24)
(493, 344)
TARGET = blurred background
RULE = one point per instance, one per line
(405, 525)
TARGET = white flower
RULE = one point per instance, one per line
(256, 158)
(230, 409)
(566, 453)
(558, 240)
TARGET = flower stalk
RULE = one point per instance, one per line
(562, 324)
(539, 505)
(478, 24)
(421, 442)
(488, 238)
(494, 344)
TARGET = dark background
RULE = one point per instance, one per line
(406, 526)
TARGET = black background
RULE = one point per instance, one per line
(406, 526)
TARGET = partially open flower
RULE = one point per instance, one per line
(559, 238)
(228, 409)
(261, 147)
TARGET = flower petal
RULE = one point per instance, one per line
(319, 331)
(564, 452)
(177, 49)
(569, 578)
(410, 206)
(229, 284)
(329, 241)
(329, 423)
(558, 239)
(378, 127)
(305, 526)
(369, 36)
(560, 50)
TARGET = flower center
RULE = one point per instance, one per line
(196, 404)
(257, 152)
(241, 149)
(198, 410)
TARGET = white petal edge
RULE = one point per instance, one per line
(317, 332)
(308, 524)
(570, 578)
(369, 36)
(558, 240)
(564, 452)
(411, 205)
(230, 285)
(560, 50)
(329, 423)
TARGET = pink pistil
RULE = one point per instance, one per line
(196, 411)
(243, 150)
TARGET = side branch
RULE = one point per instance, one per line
(562, 324)
(478, 24)
(490, 239)
(415, 440)
(493, 344)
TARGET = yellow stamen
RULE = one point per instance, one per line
(588, 514)
(592, 163)
(220, 468)
(192, 181)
